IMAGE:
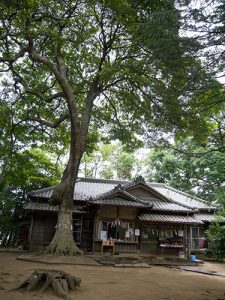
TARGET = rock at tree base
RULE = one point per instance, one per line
(59, 281)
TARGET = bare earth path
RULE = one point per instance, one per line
(109, 283)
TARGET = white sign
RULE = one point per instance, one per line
(180, 233)
(137, 232)
(103, 235)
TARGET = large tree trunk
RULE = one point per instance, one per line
(63, 241)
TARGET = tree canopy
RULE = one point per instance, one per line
(188, 168)
(109, 161)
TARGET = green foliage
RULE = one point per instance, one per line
(31, 169)
(191, 168)
(148, 76)
(109, 161)
(25, 171)
(216, 239)
(124, 165)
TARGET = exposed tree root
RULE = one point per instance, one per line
(63, 244)
(59, 281)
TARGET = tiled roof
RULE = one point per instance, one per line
(45, 207)
(42, 193)
(182, 198)
(159, 205)
(41, 206)
(205, 217)
(155, 204)
(86, 188)
(159, 218)
(120, 202)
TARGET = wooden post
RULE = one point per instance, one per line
(94, 234)
(31, 232)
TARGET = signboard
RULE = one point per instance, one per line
(127, 234)
(137, 232)
(103, 235)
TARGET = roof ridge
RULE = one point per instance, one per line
(90, 179)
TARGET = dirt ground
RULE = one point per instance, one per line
(111, 283)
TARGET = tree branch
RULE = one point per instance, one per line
(47, 99)
(21, 53)
(47, 123)
(96, 86)
(61, 77)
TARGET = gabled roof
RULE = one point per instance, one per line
(140, 183)
(101, 188)
(119, 197)
(157, 201)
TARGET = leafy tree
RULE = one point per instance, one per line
(125, 165)
(109, 161)
(216, 238)
(75, 66)
(206, 23)
(27, 170)
(188, 167)
(100, 161)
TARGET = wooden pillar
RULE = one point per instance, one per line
(187, 249)
(31, 233)
(94, 234)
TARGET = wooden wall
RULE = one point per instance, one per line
(42, 230)
(114, 212)
(128, 213)
(141, 193)
(108, 212)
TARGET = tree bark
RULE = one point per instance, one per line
(63, 241)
